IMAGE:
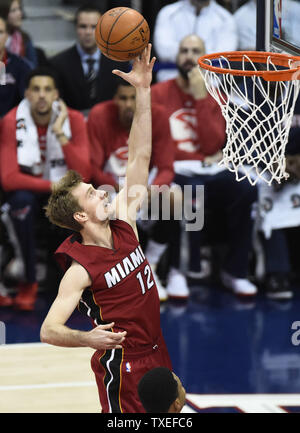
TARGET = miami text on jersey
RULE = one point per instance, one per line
(122, 269)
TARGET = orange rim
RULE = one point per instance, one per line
(278, 59)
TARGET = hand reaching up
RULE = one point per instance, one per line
(141, 74)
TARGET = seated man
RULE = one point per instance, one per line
(198, 129)
(161, 391)
(40, 140)
(109, 126)
(84, 74)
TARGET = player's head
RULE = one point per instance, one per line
(41, 91)
(161, 391)
(86, 19)
(73, 203)
(3, 34)
(190, 49)
(125, 100)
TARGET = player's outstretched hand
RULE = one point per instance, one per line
(100, 338)
(141, 74)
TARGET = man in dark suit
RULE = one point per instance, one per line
(84, 74)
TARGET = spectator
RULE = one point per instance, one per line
(84, 74)
(40, 140)
(210, 21)
(198, 130)
(161, 391)
(12, 78)
(109, 125)
(14, 74)
(18, 42)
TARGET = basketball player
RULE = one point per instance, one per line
(107, 273)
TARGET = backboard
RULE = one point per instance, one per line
(278, 26)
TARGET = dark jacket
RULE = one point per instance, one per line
(16, 71)
(72, 84)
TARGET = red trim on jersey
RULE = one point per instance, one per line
(116, 294)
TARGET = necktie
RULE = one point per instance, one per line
(91, 78)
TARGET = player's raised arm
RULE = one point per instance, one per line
(140, 137)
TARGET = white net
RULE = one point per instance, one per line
(258, 117)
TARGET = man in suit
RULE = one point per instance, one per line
(84, 74)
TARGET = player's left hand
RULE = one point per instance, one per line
(141, 74)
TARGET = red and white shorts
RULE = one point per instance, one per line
(118, 372)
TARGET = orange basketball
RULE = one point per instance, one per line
(122, 34)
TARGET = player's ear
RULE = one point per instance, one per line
(80, 217)
(177, 405)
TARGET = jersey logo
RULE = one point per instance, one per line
(122, 269)
(128, 367)
(183, 126)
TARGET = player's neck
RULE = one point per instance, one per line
(98, 235)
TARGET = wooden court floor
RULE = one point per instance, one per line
(39, 378)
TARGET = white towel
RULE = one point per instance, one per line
(278, 209)
(28, 150)
(195, 167)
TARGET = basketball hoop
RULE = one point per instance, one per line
(257, 92)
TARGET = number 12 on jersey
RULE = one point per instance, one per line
(149, 281)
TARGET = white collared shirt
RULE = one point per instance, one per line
(84, 56)
(215, 25)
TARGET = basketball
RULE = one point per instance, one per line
(122, 34)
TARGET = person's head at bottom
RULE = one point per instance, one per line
(161, 391)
